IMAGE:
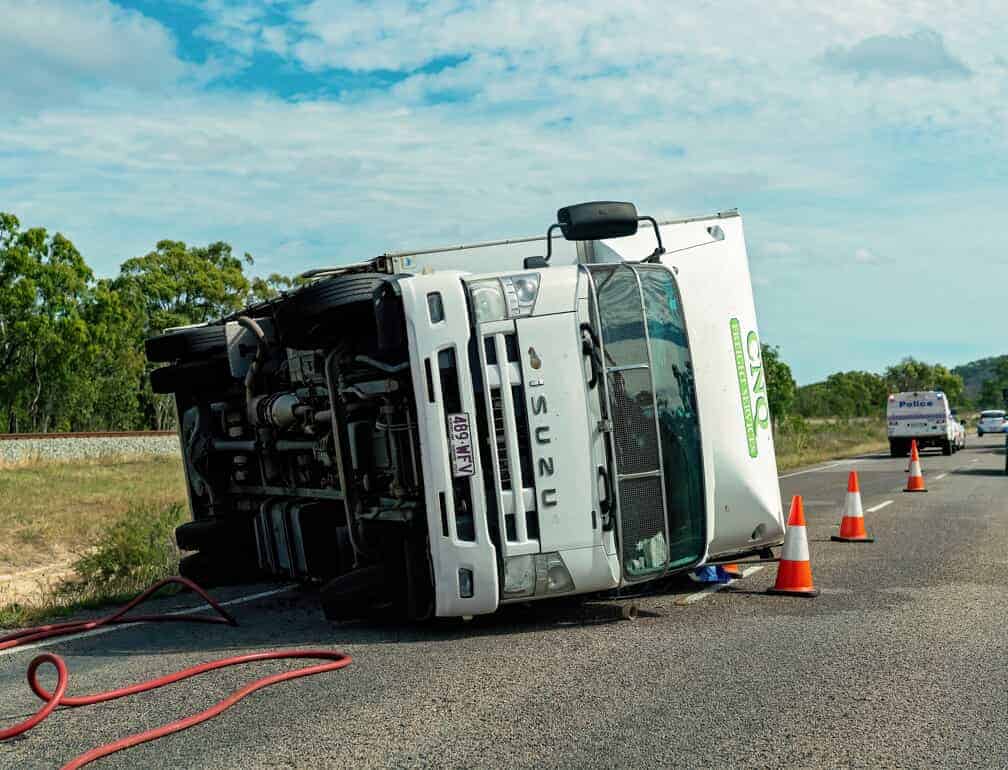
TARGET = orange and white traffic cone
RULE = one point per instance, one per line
(915, 483)
(794, 572)
(852, 528)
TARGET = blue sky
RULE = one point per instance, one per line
(865, 144)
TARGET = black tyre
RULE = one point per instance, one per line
(895, 450)
(946, 447)
(328, 308)
(208, 569)
(217, 535)
(186, 345)
(203, 570)
(352, 595)
(214, 374)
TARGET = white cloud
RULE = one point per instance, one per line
(707, 108)
(52, 51)
(864, 256)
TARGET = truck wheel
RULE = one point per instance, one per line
(201, 342)
(305, 314)
(192, 376)
(213, 568)
(217, 535)
(895, 448)
(201, 569)
(946, 447)
(352, 595)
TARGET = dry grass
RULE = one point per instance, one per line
(799, 442)
(53, 512)
(132, 551)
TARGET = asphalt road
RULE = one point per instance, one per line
(902, 661)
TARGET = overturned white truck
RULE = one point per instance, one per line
(440, 432)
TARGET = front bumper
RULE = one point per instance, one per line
(451, 549)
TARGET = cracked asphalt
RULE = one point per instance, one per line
(902, 661)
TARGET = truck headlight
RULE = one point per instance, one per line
(519, 576)
(521, 292)
(510, 296)
(552, 575)
(536, 575)
(488, 301)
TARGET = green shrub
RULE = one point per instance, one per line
(137, 548)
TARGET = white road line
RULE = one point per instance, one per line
(813, 470)
(110, 629)
(696, 596)
(940, 476)
(878, 507)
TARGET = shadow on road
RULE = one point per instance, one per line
(978, 472)
(295, 619)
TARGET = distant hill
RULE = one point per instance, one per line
(975, 372)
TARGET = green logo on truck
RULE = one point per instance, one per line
(749, 363)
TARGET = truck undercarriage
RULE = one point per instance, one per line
(300, 445)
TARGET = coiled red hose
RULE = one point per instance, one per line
(335, 660)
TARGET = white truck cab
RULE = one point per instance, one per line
(923, 416)
(423, 433)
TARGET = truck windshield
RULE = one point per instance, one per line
(652, 398)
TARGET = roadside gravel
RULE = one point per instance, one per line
(17, 451)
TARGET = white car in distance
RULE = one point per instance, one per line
(991, 421)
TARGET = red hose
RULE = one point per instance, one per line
(57, 697)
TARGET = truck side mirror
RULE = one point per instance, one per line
(596, 221)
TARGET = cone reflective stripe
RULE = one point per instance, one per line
(915, 483)
(794, 572)
(852, 529)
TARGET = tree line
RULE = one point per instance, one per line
(865, 394)
(71, 344)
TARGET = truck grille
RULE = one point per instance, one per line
(510, 443)
(642, 508)
(497, 405)
(634, 426)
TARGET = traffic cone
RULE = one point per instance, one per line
(915, 483)
(852, 524)
(794, 572)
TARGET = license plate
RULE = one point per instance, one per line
(460, 439)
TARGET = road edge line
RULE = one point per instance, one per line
(110, 629)
(684, 601)
(879, 507)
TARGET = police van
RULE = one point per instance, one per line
(925, 416)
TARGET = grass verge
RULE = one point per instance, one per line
(52, 512)
(132, 551)
(800, 442)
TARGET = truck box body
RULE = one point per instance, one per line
(570, 427)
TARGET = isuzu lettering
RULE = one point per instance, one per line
(440, 432)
